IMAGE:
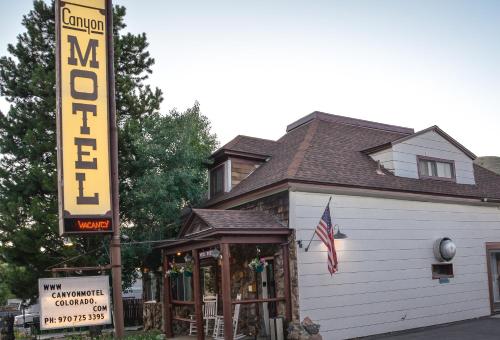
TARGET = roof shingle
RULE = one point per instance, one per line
(330, 151)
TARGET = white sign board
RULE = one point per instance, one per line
(74, 302)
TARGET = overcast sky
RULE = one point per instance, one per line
(256, 66)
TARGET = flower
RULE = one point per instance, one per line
(257, 263)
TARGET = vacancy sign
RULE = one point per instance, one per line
(83, 122)
(74, 302)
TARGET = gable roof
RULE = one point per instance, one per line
(434, 128)
(204, 220)
(331, 150)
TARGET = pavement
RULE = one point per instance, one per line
(476, 329)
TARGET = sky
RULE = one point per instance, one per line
(257, 66)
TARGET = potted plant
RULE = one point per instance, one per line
(258, 264)
(188, 268)
(174, 270)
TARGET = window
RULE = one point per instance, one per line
(436, 168)
(217, 180)
(182, 288)
(442, 270)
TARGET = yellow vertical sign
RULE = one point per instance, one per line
(83, 117)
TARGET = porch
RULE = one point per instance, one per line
(227, 276)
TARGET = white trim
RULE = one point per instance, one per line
(227, 185)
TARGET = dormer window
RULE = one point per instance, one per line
(436, 168)
(217, 180)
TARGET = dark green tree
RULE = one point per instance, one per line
(170, 151)
(29, 239)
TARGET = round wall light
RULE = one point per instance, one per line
(444, 249)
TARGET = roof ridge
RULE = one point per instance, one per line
(252, 137)
(293, 167)
(328, 117)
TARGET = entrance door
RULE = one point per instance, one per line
(494, 276)
(267, 290)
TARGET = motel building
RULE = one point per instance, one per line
(417, 235)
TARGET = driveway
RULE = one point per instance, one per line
(480, 329)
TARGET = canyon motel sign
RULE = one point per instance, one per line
(83, 117)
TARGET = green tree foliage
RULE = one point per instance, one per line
(153, 186)
(169, 174)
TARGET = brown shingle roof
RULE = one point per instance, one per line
(248, 145)
(240, 219)
(329, 150)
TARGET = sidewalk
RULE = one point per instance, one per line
(483, 329)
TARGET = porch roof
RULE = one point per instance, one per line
(204, 225)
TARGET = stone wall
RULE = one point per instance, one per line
(152, 315)
(276, 205)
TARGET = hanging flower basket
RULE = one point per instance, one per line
(187, 269)
(258, 265)
(259, 268)
(174, 270)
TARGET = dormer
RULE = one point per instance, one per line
(235, 161)
(428, 154)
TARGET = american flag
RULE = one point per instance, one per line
(325, 231)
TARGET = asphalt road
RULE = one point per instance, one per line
(477, 329)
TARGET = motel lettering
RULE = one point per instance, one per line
(83, 119)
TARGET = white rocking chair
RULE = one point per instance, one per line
(219, 323)
(209, 314)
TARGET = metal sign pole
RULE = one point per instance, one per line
(115, 251)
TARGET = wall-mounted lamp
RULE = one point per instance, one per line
(338, 234)
(188, 258)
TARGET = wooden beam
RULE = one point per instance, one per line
(286, 274)
(269, 239)
(198, 312)
(226, 291)
(189, 246)
(182, 303)
(249, 301)
(167, 299)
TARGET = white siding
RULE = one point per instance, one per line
(433, 145)
(385, 158)
(402, 157)
(384, 281)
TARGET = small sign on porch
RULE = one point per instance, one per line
(210, 253)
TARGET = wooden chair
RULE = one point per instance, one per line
(209, 314)
(219, 323)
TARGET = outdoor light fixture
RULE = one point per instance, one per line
(338, 234)
(299, 243)
(179, 253)
(444, 249)
(215, 253)
(188, 258)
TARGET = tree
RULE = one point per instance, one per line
(170, 151)
(29, 239)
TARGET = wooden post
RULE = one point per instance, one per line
(198, 312)
(167, 300)
(286, 273)
(226, 292)
(115, 248)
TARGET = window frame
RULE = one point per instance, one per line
(453, 177)
(212, 187)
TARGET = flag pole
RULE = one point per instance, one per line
(314, 232)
